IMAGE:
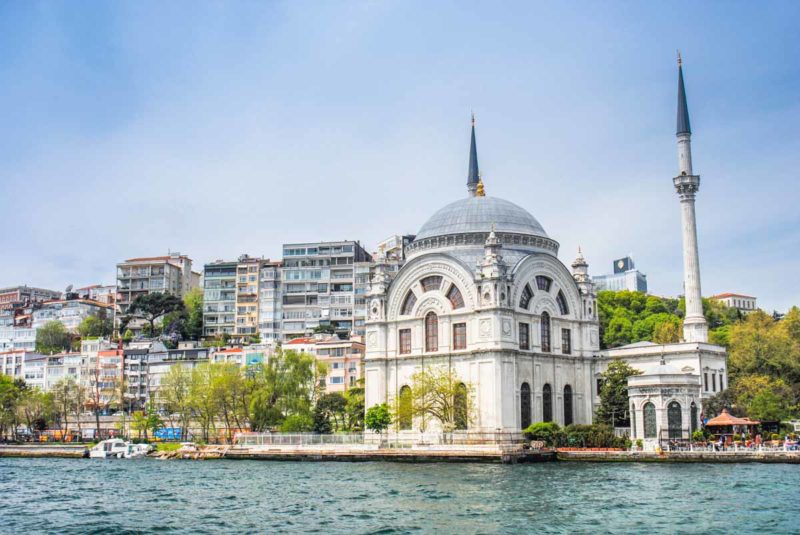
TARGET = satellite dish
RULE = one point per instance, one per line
(68, 290)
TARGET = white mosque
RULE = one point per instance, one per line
(484, 294)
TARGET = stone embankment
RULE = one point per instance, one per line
(43, 450)
(740, 456)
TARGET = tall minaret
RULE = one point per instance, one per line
(473, 177)
(687, 184)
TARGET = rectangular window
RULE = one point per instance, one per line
(599, 386)
(566, 341)
(405, 341)
(459, 336)
(721, 385)
(524, 336)
(713, 382)
(705, 381)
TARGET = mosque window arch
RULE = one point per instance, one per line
(649, 420)
(431, 332)
(460, 411)
(567, 405)
(562, 303)
(547, 403)
(525, 298)
(455, 297)
(404, 408)
(693, 414)
(546, 332)
(408, 303)
(543, 283)
(433, 282)
(525, 405)
(674, 419)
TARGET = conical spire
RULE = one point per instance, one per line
(683, 108)
(474, 176)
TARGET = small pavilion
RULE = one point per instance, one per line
(728, 425)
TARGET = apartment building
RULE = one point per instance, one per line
(318, 287)
(70, 313)
(141, 276)
(219, 298)
(159, 364)
(17, 338)
(269, 302)
(248, 272)
(344, 359)
(742, 303)
(97, 292)
(20, 296)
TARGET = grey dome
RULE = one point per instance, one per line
(477, 214)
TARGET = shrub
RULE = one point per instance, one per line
(698, 436)
(639, 443)
(297, 423)
(775, 436)
(547, 432)
(592, 436)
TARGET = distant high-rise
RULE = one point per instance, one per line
(625, 276)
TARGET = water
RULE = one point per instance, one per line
(151, 496)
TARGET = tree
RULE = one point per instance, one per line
(203, 399)
(95, 326)
(174, 396)
(762, 397)
(437, 392)
(618, 332)
(36, 409)
(667, 332)
(231, 395)
(151, 307)
(10, 392)
(355, 406)
(378, 418)
(127, 336)
(726, 399)
(331, 407)
(281, 387)
(193, 301)
(65, 400)
(52, 337)
(614, 407)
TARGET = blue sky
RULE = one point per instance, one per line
(218, 128)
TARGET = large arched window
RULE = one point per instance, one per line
(525, 405)
(649, 420)
(547, 403)
(525, 298)
(434, 282)
(460, 407)
(674, 419)
(455, 297)
(562, 303)
(567, 405)
(404, 408)
(431, 332)
(693, 411)
(545, 332)
(408, 303)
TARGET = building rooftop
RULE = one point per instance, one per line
(723, 296)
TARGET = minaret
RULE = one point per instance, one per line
(473, 177)
(687, 184)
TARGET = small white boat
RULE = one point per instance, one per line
(116, 448)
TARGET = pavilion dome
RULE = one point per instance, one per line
(479, 214)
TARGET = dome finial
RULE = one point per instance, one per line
(473, 176)
(479, 190)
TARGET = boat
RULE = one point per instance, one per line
(116, 448)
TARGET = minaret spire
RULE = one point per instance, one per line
(687, 184)
(473, 177)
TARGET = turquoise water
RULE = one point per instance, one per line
(151, 496)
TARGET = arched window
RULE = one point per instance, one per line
(674, 418)
(460, 407)
(543, 283)
(567, 405)
(547, 403)
(408, 304)
(525, 298)
(562, 303)
(525, 405)
(454, 295)
(434, 282)
(649, 420)
(545, 332)
(633, 421)
(693, 411)
(431, 332)
(404, 408)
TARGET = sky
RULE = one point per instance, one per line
(220, 128)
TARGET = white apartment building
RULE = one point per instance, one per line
(743, 303)
(70, 313)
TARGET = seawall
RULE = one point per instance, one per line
(791, 457)
(43, 450)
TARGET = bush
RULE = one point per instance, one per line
(775, 436)
(592, 436)
(297, 423)
(547, 432)
(639, 443)
(698, 436)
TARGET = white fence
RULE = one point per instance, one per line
(391, 439)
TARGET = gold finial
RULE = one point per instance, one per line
(680, 61)
(479, 191)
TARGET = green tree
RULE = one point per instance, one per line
(613, 409)
(95, 326)
(35, 409)
(281, 387)
(193, 301)
(52, 337)
(331, 407)
(65, 400)
(10, 394)
(355, 406)
(619, 331)
(297, 423)
(232, 395)
(667, 332)
(154, 306)
(127, 337)
(378, 418)
(174, 396)
(203, 399)
(762, 397)
(438, 393)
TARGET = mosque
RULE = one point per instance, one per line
(484, 295)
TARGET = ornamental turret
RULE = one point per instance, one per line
(687, 184)
(491, 272)
(580, 272)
